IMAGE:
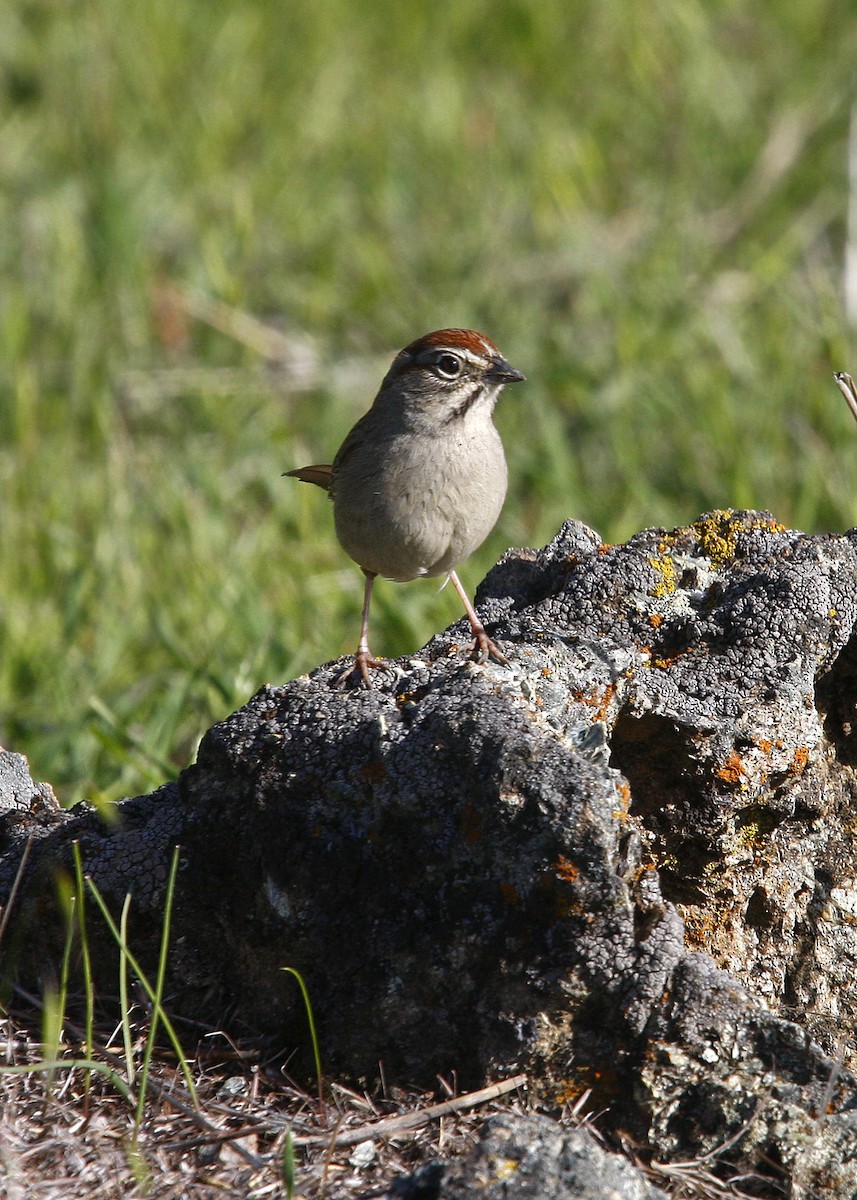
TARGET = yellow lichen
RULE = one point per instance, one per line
(504, 1167)
(718, 533)
(664, 663)
(750, 835)
(666, 568)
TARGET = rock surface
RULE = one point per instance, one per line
(626, 863)
(531, 1158)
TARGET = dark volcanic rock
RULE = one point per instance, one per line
(620, 864)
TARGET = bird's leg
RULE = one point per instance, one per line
(483, 646)
(363, 659)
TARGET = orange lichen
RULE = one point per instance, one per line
(656, 620)
(624, 790)
(604, 1085)
(570, 1092)
(799, 760)
(732, 771)
(601, 703)
(566, 869)
(567, 1094)
(604, 705)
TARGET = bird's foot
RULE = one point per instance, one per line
(483, 648)
(358, 672)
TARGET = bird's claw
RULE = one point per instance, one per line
(359, 670)
(484, 648)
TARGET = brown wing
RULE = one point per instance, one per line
(320, 475)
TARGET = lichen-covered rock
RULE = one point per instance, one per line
(625, 863)
(531, 1158)
(717, 1062)
(28, 808)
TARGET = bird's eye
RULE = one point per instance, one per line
(449, 366)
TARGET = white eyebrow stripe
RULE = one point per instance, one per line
(468, 355)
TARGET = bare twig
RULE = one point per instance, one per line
(846, 386)
(392, 1126)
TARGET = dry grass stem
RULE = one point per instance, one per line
(230, 1147)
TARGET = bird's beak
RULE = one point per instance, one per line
(503, 372)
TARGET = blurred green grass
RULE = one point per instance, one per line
(643, 205)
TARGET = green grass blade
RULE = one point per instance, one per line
(86, 960)
(312, 1030)
(124, 1004)
(53, 1016)
(157, 1007)
(163, 1016)
(53, 1013)
(128, 740)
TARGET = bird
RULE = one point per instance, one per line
(419, 482)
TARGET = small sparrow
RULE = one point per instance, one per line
(419, 482)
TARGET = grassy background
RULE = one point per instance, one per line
(643, 205)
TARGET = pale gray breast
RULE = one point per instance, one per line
(420, 505)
